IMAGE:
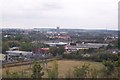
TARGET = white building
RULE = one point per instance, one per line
(18, 53)
(57, 44)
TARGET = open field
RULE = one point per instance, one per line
(63, 67)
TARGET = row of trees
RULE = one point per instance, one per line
(29, 37)
(25, 46)
(57, 50)
(98, 57)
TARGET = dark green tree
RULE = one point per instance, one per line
(53, 51)
(37, 70)
(5, 47)
(60, 50)
(109, 67)
(26, 46)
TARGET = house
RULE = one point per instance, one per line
(41, 51)
(69, 49)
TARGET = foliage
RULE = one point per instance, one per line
(53, 50)
(13, 44)
(105, 56)
(5, 47)
(117, 64)
(26, 46)
(72, 56)
(98, 57)
(94, 73)
(109, 67)
(15, 75)
(57, 50)
(19, 37)
(37, 70)
(60, 50)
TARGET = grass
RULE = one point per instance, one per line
(1, 56)
(63, 67)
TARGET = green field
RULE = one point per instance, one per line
(63, 67)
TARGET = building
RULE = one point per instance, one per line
(57, 44)
(72, 48)
(14, 48)
(18, 53)
(41, 51)
(58, 30)
(15, 55)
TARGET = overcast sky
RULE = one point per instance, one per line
(80, 14)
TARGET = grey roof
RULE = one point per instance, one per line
(87, 45)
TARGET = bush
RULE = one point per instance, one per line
(98, 57)
(72, 56)
(37, 70)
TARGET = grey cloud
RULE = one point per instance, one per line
(38, 11)
(77, 13)
(52, 6)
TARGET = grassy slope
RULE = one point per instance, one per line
(63, 65)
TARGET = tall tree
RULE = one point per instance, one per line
(53, 51)
(37, 70)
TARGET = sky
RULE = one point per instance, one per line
(74, 14)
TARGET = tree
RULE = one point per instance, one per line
(109, 67)
(13, 44)
(60, 50)
(5, 47)
(37, 70)
(53, 51)
(19, 37)
(57, 50)
(117, 64)
(26, 46)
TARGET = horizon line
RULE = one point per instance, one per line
(60, 28)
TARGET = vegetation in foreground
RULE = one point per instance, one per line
(109, 69)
